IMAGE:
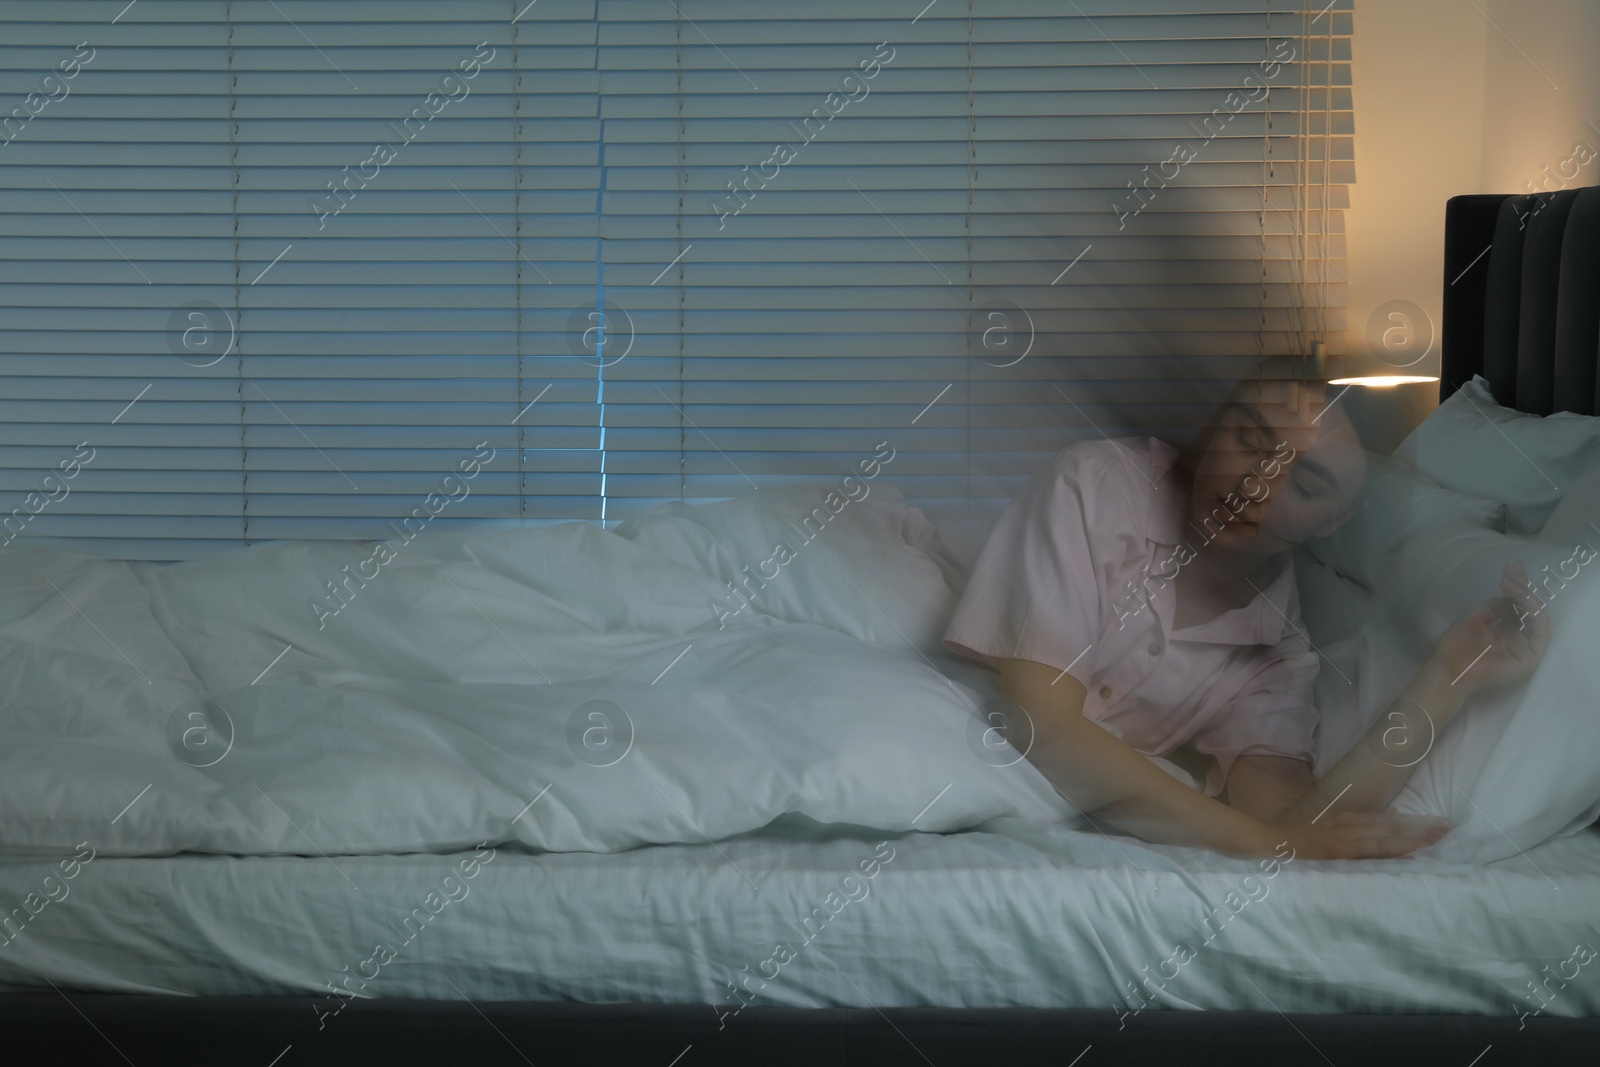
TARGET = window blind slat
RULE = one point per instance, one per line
(381, 319)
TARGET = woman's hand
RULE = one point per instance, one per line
(1342, 816)
(1352, 835)
(1500, 642)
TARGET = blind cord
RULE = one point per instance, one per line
(972, 180)
(238, 309)
(1268, 171)
(516, 197)
(683, 439)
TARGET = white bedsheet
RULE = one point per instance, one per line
(1018, 914)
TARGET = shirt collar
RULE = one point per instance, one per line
(1263, 620)
(1164, 522)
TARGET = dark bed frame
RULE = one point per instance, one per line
(1526, 315)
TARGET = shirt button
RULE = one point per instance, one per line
(1155, 648)
(1105, 692)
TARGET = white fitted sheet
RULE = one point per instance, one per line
(1018, 914)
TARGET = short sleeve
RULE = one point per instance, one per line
(1273, 715)
(1036, 589)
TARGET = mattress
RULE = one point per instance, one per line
(1015, 914)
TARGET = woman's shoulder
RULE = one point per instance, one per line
(1097, 492)
(1137, 463)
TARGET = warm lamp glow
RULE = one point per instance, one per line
(1373, 373)
(1383, 381)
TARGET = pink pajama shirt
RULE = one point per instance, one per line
(1072, 576)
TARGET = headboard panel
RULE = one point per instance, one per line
(1522, 299)
(1577, 365)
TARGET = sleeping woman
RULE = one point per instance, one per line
(1139, 603)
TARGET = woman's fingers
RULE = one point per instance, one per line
(1375, 835)
(1394, 826)
(1388, 843)
(1513, 647)
(1515, 585)
(1527, 642)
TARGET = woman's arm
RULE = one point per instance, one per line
(1265, 786)
(1499, 643)
(1277, 789)
(1374, 770)
(1107, 777)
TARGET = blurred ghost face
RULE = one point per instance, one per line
(1278, 467)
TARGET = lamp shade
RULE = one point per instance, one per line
(1399, 349)
(1370, 371)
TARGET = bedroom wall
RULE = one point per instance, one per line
(1541, 95)
(1455, 97)
(1417, 68)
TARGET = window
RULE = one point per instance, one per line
(282, 265)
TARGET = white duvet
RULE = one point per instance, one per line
(576, 689)
(569, 688)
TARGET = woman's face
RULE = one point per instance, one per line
(1273, 475)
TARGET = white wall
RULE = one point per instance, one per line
(1541, 94)
(1418, 83)
(1452, 97)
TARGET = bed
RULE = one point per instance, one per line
(805, 938)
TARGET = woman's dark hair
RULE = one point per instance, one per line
(1249, 389)
(1244, 390)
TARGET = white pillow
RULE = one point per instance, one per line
(965, 539)
(1362, 672)
(1332, 606)
(1472, 444)
(1577, 517)
(1402, 504)
(867, 564)
(61, 600)
(1520, 764)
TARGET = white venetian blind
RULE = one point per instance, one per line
(168, 234)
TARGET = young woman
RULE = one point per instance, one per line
(1139, 602)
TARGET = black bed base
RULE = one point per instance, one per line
(146, 1031)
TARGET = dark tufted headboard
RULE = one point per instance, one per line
(1522, 298)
